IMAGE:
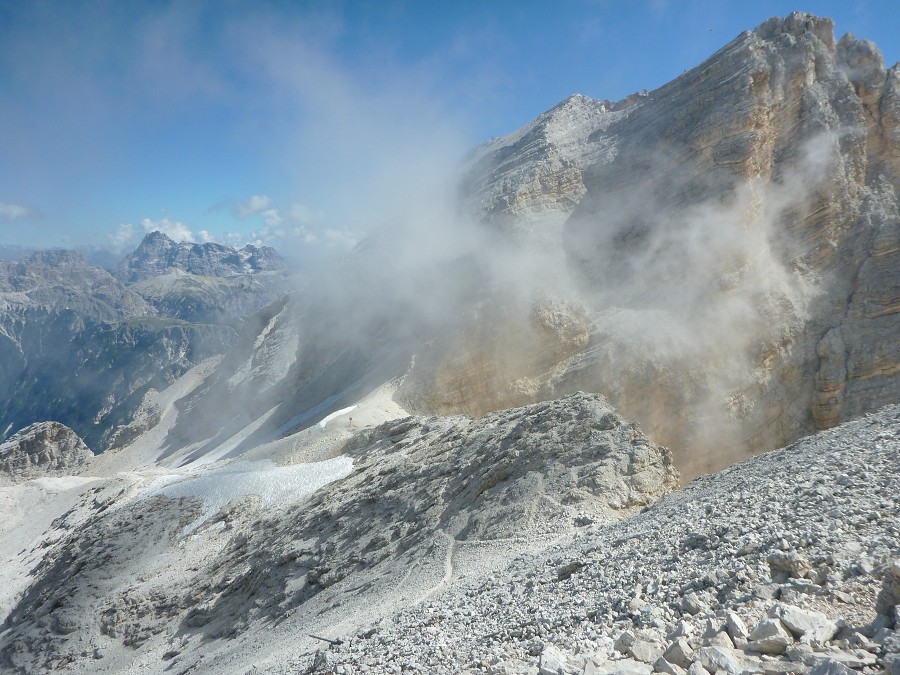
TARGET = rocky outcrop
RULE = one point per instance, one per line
(735, 239)
(43, 449)
(157, 254)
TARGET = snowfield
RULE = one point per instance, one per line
(273, 485)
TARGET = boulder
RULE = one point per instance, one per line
(679, 653)
(769, 637)
(804, 624)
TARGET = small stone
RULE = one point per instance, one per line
(767, 592)
(799, 653)
(830, 667)
(697, 669)
(692, 604)
(769, 637)
(663, 666)
(683, 629)
(785, 565)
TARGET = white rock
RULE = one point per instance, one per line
(553, 662)
(663, 666)
(830, 667)
(809, 625)
(715, 659)
(736, 627)
(679, 653)
(617, 667)
(769, 637)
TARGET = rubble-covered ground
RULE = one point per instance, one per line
(785, 563)
(543, 539)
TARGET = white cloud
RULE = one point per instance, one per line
(271, 217)
(173, 229)
(234, 239)
(122, 238)
(252, 206)
(342, 238)
(300, 213)
(10, 212)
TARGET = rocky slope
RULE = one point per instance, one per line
(157, 254)
(527, 541)
(787, 563)
(419, 488)
(730, 245)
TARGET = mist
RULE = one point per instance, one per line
(675, 296)
(668, 308)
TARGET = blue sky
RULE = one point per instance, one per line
(303, 124)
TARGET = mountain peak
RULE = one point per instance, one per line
(158, 254)
(797, 24)
(157, 235)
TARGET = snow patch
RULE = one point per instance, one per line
(274, 485)
(336, 413)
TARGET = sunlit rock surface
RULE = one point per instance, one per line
(735, 243)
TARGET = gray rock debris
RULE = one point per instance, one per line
(712, 539)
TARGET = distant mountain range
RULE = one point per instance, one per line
(81, 347)
(157, 254)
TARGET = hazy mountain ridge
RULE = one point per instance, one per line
(81, 348)
(157, 254)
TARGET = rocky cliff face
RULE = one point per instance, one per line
(734, 240)
(43, 449)
(157, 254)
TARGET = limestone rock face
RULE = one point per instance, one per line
(43, 449)
(536, 172)
(735, 237)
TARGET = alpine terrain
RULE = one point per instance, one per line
(624, 398)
